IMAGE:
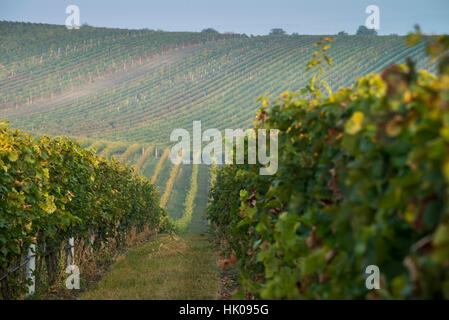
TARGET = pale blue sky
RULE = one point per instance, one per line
(241, 16)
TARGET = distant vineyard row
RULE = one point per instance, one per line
(183, 189)
(38, 61)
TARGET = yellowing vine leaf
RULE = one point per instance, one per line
(354, 124)
(13, 156)
(48, 205)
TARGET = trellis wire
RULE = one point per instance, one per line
(30, 262)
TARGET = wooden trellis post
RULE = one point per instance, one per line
(91, 239)
(71, 252)
(30, 267)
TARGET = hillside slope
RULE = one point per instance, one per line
(134, 87)
(156, 167)
(142, 84)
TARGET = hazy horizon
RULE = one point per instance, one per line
(249, 17)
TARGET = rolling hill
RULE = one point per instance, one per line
(123, 91)
(139, 85)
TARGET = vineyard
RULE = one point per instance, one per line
(363, 164)
(362, 181)
(137, 86)
(178, 186)
(59, 190)
(53, 190)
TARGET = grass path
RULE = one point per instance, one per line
(167, 267)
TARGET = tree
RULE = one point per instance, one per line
(277, 31)
(342, 33)
(210, 30)
(364, 31)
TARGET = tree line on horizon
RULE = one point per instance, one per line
(361, 31)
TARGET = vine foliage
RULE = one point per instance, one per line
(52, 189)
(362, 180)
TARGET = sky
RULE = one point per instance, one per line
(240, 16)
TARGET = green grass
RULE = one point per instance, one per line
(149, 166)
(175, 205)
(198, 224)
(132, 153)
(164, 175)
(182, 267)
(176, 202)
